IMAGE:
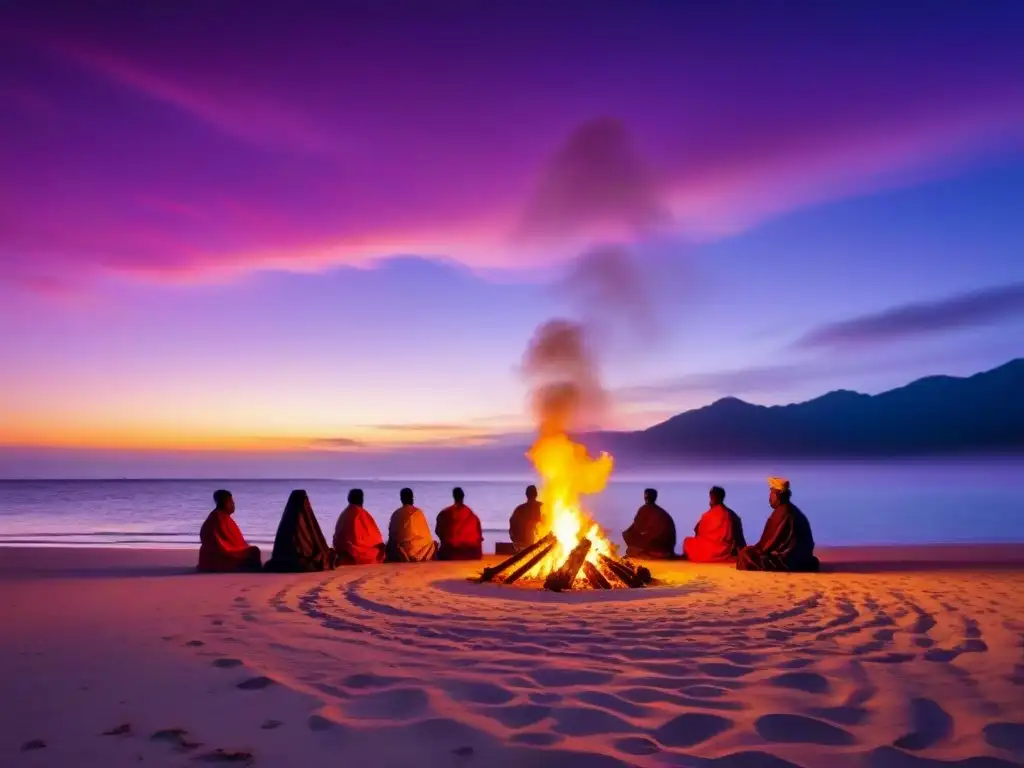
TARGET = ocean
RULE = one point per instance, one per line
(848, 504)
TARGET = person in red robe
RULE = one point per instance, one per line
(458, 529)
(653, 532)
(222, 548)
(527, 523)
(718, 537)
(787, 543)
(357, 539)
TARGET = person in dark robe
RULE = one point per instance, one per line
(357, 539)
(787, 543)
(409, 539)
(653, 532)
(718, 536)
(458, 529)
(527, 524)
(299, 545)
(222, 548)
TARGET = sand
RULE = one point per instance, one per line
(115, 658)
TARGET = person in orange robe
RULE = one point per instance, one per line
(409, 539)
(458, 529)
(222, 548)
(527, 524)
(653, 532)
(357, 538)
(718, 537)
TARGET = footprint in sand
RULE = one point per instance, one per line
(1008, 736)
(195, 644)
(255, 684)
(477, 691)
(517, 715)
(636, 745)
(930, 724)
(717, 669)
(586, 721)
(797, 729)
(122, 730)
(177, 737)
(30, 746)
(270, 725)
(318, 723)
(845, 715)
(371, 681)
(226, 756)
(227, 663)
(691, 729)
(808, 682)
(398, 703)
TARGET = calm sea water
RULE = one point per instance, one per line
(979, 501)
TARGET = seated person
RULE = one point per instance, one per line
(527, 524)
(653, 532)
(222, 548)
(718, 537)
(299, 545)
(458, 529)
(409, 539)
(787, 543)
(357, 538)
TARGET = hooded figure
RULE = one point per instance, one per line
(300, 545)
(409, 539)
(653, 532)
(718, 537)
(357, 538)
(527, 523)
(787, 543)
(458, 529)
(222, 548)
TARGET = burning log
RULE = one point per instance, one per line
(490, 573)
(597, 579)
(529, 564)
(563, 578)
(625, 573)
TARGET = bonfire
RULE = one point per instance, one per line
(574, 552)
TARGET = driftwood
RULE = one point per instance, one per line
(526, 567)
(622, 571)
(597, 579)
(563, 578)
(489, 574)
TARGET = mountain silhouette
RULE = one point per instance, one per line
(937, 415)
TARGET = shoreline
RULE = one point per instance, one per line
(893, 657)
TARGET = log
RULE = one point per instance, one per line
(597, 579)
(563, 578)
(488, 574)
(626, 574)
(529, 564)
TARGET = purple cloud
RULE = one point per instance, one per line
(974, 308)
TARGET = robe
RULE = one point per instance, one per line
(222, 548)
(718, 537)
(299, 545)
(786, 544)
(527, 525)
(409, 539)
(458, 529)
(357, 538)
(652, 534)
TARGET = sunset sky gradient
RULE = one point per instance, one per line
(269, 226)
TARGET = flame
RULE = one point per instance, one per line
(567, 473)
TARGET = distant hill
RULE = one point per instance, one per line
(937, 415)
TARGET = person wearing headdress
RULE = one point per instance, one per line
(299, 545)
(409, 539)
(718, 536)
(357, 538)
(526, 525)
(222, 548)
(458, 529)
(787, 543)
(653, 532)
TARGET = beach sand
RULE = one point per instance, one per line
(890, 658)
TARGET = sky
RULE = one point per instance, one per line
(331, 227)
